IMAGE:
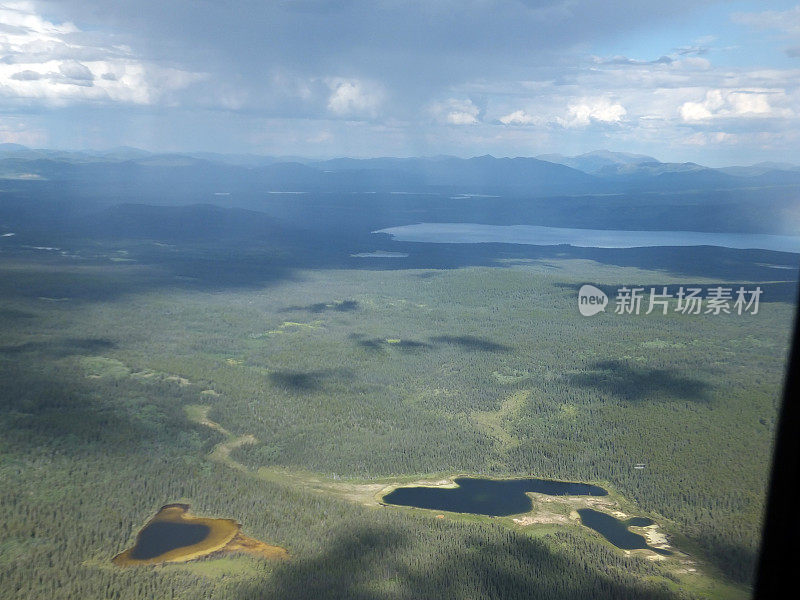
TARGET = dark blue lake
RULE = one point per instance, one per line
(493, 497)
(616, 531)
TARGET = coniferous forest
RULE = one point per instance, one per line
(131, 369)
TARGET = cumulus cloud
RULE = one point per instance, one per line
(353, 98)
(58, 63)
(720, 103)
(520, 117)
(600, 110)
(72, 69)
(454, 111)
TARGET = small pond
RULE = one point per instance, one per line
(162, 536)
(617, 532)
(173, 535)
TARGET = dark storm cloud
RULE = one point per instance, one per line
(365, 78)
(412, 48)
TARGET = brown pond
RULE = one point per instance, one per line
(173, 535)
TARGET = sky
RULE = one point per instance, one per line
(713, 82)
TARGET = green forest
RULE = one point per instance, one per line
(352, 376)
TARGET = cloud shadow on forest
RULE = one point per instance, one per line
(381, 345)
(307, 381)
(471, 343)
(634, 383)
(320, 307)
(468, 343)
(369, 562)
(61, 347)
(45, 405)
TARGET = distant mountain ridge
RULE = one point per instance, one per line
(599, 172)
(592, 162)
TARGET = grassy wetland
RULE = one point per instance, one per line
(289, 399)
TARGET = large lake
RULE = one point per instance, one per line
(493, 497)
(504, 497)
(471, 233)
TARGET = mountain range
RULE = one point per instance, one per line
(600, 172)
